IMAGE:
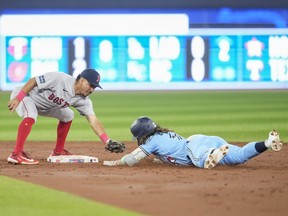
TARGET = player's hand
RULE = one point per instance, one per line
(110, 163)
(115, 146)
(13, 104)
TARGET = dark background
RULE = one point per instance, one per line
(145, 4)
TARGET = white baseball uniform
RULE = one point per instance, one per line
(52, 97)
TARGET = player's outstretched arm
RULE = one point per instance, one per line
(128, 159)
(111, 145)
(96, 125)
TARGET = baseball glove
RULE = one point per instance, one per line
(115, 146)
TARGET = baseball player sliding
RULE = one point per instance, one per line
(50, 95)
(197, 150)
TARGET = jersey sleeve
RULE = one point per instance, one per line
(47, 80)
(84, 106)
(149, 147)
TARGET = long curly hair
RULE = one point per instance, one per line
(158, 128)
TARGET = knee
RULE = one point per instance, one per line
(69, 116)
(32, 116)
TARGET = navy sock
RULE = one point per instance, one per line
(260, 147)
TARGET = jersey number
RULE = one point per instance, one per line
(172, 136)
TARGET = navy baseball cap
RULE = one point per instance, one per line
(92, 76)
(142, 126)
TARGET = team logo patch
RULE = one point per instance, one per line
(171, 160)
(42, 79)
(98, 79)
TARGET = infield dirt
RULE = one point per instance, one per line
(258, 187)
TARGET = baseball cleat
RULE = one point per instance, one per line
(215, 156)
(63, 152)
(273, 142)
(21, 158)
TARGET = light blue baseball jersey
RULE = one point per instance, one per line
(175, 149)
(168, 147)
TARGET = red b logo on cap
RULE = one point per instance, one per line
(98, 79)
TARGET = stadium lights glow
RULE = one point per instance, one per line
(94, 24)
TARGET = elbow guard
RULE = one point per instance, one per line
(134, 157)
(130, 160)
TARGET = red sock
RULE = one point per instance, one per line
(24, 130)
(62, 132)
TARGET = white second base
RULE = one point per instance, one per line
(72, 159)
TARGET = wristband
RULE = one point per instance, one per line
(21, 95)
(104, 137)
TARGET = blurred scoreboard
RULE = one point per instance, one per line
(150, 57)
(118, 58)
(234, 57)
